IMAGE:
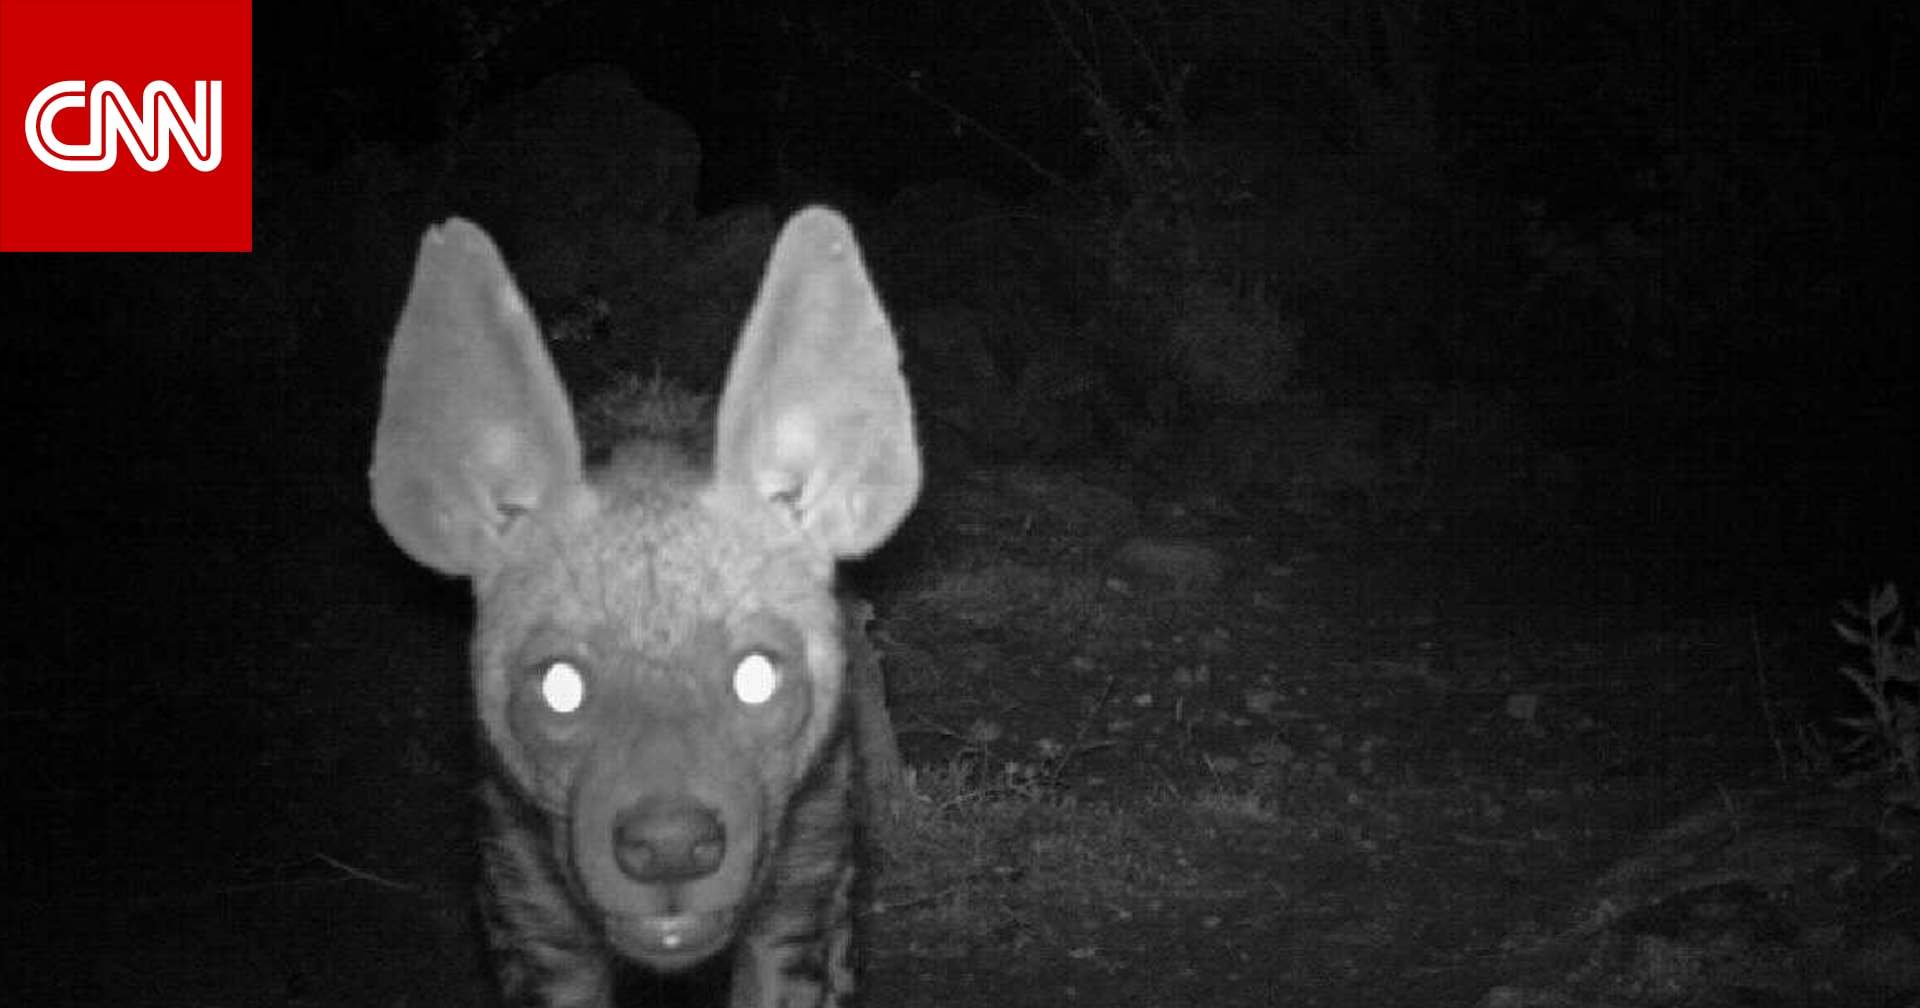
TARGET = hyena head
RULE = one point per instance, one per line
(657, 659)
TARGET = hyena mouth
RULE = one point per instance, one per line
(671, 941)
(670, 883)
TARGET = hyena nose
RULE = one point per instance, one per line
(668, 840)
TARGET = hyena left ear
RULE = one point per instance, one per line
(815, 417)
(475, 430)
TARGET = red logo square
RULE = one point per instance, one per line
(126, 125)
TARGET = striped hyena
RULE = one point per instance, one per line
(658, 658)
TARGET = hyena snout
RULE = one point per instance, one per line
(667, 839)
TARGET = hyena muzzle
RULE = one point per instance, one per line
(657, 661)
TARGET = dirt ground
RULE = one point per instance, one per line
(1171, 749)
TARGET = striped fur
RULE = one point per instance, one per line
(658, 659)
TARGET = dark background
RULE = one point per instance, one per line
(1678, 240)
(1710, 206)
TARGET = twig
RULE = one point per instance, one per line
(1766, 699)
(365, 876)
(909, 83)
(348, 873)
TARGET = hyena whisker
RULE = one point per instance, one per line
(658, 659)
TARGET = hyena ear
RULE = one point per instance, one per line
(815, 417)
(474, 426)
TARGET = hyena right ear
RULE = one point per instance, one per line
(815, 418)
(474, 427)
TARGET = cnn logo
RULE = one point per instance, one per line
(149, 132)
(98, 88)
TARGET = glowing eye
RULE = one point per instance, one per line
(563, 687)
(755, 679)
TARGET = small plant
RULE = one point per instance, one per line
(1887, 739)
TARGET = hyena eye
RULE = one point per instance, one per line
(754, 679)
(562, 686)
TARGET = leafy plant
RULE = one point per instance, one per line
(1887, 738)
